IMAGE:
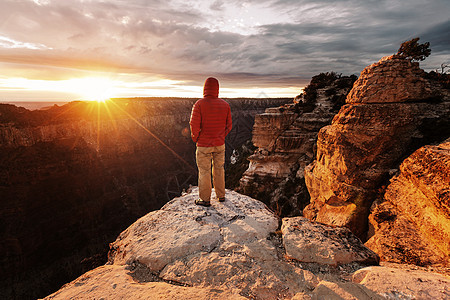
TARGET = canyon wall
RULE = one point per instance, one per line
(393, 109)
(72, 177)
(286, 138)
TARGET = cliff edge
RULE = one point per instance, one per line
(235, 250)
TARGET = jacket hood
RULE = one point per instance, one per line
(211, 87)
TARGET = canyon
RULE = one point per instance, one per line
(72, 177)
(347, 196)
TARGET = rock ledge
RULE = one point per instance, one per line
(231, 250)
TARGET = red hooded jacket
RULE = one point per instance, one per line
(211, 117)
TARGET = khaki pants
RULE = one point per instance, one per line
(206, 156)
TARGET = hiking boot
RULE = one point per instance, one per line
(222, 199)
(202, 202)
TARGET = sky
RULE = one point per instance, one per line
(63, 50)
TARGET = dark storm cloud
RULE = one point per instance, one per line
(175, 39)
(439, 37)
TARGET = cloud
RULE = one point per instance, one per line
(217, 5)
(438, 36)
(272, 43)
(6, 42)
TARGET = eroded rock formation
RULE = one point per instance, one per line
(232, 250)
(73, 177)
(392, 110)
(412, 225)
(286, 138)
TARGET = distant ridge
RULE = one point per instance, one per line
(35, 105)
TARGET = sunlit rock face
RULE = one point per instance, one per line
(286, 138)
(369, 137)
(412, 224)
(73, 177)
(234, 250)
(393, 80)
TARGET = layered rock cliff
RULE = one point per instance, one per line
(234, 250)
(73, 177)
(286, 138)
(392, 110)
(412, 224)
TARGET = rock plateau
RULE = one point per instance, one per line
(234, 250)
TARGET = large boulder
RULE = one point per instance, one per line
(369, 137)
(306, 241)
(227, 246)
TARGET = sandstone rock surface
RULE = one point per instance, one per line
(226, 251)
(385, 282)
(394, 283)
(311, 242)
(226, 246)
(392, 80)
(343, 290)
(122, 282)
(367, 140)
(412, 225)
(181, 228)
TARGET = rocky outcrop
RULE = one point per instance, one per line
(72, 177)
(369, 137)
(311, 242)
(286, 137)
(393, 80)
(233, 250)
(412, 224)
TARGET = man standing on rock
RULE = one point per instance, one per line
(210, 123)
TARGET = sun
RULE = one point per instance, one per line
(98, 89)
(94, 88)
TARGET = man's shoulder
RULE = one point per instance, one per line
(223, 102)
(211, 101)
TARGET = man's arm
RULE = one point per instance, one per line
(195, 122)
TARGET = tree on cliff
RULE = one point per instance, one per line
(414, 51)
(337, 88)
